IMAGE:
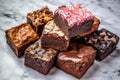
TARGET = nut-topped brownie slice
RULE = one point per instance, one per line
(103, 41)
(77, 60)
(39, 18)
(40, 59)
(20, 37)
(77, 19)
(54, 37)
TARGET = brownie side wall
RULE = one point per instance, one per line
(80, 29)
(39, 65)
(50, 41)
(62, 23)
(37, 29)
(21, 51)
(11, 44)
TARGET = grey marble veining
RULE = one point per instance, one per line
(13, 12)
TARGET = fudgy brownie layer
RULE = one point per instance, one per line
(94, 28)
(77, 60)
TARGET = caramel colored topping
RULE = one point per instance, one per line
(22, 35)
(51, 28)
(40, 16)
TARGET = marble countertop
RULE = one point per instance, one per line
(13, 12)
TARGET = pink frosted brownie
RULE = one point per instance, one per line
(77, 19)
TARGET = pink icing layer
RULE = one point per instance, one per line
(75, 14)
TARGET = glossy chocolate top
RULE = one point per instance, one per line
(76, 14)
(102, 39)
(40, 17)
(77, 53)
(37, 52)
(22, 35)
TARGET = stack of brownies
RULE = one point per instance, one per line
(68, 38)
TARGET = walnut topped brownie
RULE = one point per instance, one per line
(20, 37)
(76, 18)
(76, 60)
(39, 18)
(55, 37)
(40, 59)
(103, 41)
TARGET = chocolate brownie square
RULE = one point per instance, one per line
(103, 41)
(77, 60)
(40, 59)
(55, 37)
(39, 18)
(20, 37)
(77, 19)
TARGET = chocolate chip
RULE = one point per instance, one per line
(94, 40)
(102, 34)
(113, 39)
(106, 38)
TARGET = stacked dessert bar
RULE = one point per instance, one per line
(68, 39)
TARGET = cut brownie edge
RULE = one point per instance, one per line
(84, 27)
(50, 41)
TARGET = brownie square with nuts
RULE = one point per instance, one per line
(55, 37)
(20, 37)
(39, 18)
(77, 19)
(76, 60)
(103, 41)
(40, 59)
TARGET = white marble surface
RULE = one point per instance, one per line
(13, 12)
